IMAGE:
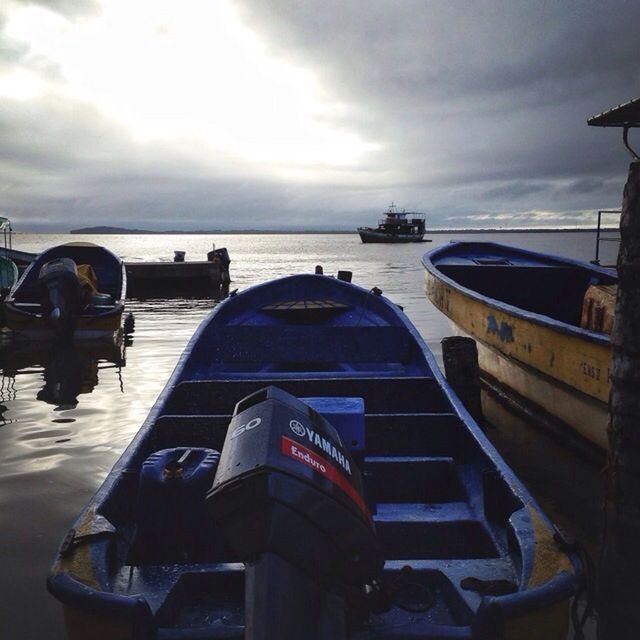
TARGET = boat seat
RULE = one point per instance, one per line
(437, 435)
(412, 479)
(99, 298)
(313, 344)
(447, 531)
(418, 394)
(404, 434)
(190, 431)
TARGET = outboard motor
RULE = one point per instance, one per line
(60, 294)
(288, 498)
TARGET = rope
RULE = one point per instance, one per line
(586, 587)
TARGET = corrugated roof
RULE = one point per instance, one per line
(624, 115)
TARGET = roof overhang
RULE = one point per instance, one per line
(626, 116)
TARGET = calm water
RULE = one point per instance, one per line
(67, 416)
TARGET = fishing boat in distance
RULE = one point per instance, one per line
(542, 325)
(75, 290)
(307, 472)
(396, 226)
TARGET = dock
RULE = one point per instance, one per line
(202, 278)
(166, 279)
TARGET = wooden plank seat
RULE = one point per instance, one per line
(418, 394)
(247, 343)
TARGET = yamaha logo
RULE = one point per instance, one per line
(297, 427)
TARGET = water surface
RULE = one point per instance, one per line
(65, 417)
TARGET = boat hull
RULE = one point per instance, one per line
(564, 372)
(445, 503)
(35, 327)
(575, 411)
(369, 237)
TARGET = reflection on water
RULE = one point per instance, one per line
(67, 416)
(567, 482)
(68, 370)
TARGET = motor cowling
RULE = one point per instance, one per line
(286, 484)
(289, 500)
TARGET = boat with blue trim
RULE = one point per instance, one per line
(308, 473)
(542, 324)
(71, 291)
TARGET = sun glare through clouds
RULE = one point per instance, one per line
(181, 71)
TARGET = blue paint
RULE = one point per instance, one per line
(346, 415)
(504, 331)
(444, 502)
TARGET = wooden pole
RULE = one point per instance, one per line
(619, 582)
(460, 356)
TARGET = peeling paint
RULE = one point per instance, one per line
(504, 331)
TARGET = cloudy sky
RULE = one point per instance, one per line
(228, 114)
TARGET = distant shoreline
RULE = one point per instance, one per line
(141, 232)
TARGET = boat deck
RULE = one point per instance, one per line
(443, 502)
(418, 465)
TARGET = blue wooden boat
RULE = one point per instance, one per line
(467, 553)
(540, 322)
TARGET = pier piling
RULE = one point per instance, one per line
(619, 580)
(460, 356)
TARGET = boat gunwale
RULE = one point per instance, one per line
(459, 410)
(509, 309)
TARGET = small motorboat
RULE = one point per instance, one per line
(307, 472)
(542, 324)
(74, 290)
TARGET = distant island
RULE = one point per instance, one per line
(198, 232)
(102, 230)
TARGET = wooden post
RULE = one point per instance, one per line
(460, 356)
(619, 580)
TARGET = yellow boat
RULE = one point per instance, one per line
(541, 324)
(74, 290)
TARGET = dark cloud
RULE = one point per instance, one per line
(479, 110)
(513, 190)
